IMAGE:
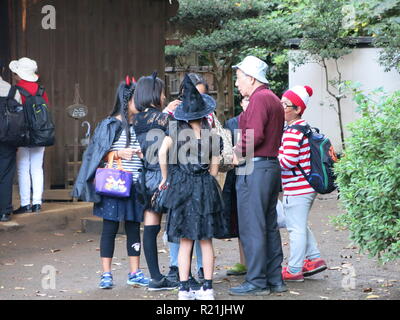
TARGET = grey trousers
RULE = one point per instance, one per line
(257, 196)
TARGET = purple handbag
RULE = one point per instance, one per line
(113, 182)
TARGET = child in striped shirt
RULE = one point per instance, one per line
(298, 196)
(127, 210)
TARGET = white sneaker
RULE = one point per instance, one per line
(186, 295)
(204, 294)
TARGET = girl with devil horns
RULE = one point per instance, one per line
(115, 134)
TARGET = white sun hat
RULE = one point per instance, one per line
(25, 68)
(254, 67)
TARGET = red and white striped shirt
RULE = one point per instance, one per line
(290, 154)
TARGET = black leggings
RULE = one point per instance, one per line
(110, 230)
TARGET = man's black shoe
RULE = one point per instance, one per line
(5, 217)
(246, 288)
(24, 209)
(36, 208)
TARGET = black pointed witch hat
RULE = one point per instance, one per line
(194, 105)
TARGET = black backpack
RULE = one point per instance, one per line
(322, 158)
(13, 127)
(38, 118)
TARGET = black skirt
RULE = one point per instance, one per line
(194, 205)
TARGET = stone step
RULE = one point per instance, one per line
(53, 216)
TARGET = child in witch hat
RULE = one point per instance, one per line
(189, 191)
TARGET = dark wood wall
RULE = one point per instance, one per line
(95, 44)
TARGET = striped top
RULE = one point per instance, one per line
(290, 154)
(129, 165)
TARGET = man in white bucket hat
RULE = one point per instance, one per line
(29, 159)
(258, 189)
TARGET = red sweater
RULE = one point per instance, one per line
(291, 154)
(32, 88)
(265, 116)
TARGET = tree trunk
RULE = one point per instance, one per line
(220, 80)
(339, 111)
(221, 101)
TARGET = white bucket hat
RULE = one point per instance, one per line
(254, 67)
(25, 68)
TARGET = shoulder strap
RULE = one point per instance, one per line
(40, 91)
(303, 129)
(12, 92)
(306, 130)
(23, 91)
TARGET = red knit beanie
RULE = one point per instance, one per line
(299, 96)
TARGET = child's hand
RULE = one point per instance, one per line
(139, 153)
(163, 184)
(125, 154)
(172, 106)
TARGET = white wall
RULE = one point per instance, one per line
(362, 66)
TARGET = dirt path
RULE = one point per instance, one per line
(75, 255)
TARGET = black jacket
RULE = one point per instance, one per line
(108, 131)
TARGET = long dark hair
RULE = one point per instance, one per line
(124, 94)
(148, 93)
(182, 125)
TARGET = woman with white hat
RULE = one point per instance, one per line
(29, 160)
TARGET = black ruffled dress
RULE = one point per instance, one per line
(193, 200)
(150, 127)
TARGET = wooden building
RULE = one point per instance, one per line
(95, 43)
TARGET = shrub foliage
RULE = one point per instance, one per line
(368, 176)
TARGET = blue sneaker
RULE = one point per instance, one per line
(106, 281)
(138, 278)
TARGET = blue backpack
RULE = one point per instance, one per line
(322, 159)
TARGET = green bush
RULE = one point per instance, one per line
(368, 176)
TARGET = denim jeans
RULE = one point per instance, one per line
(174, 250)
(302, 242)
